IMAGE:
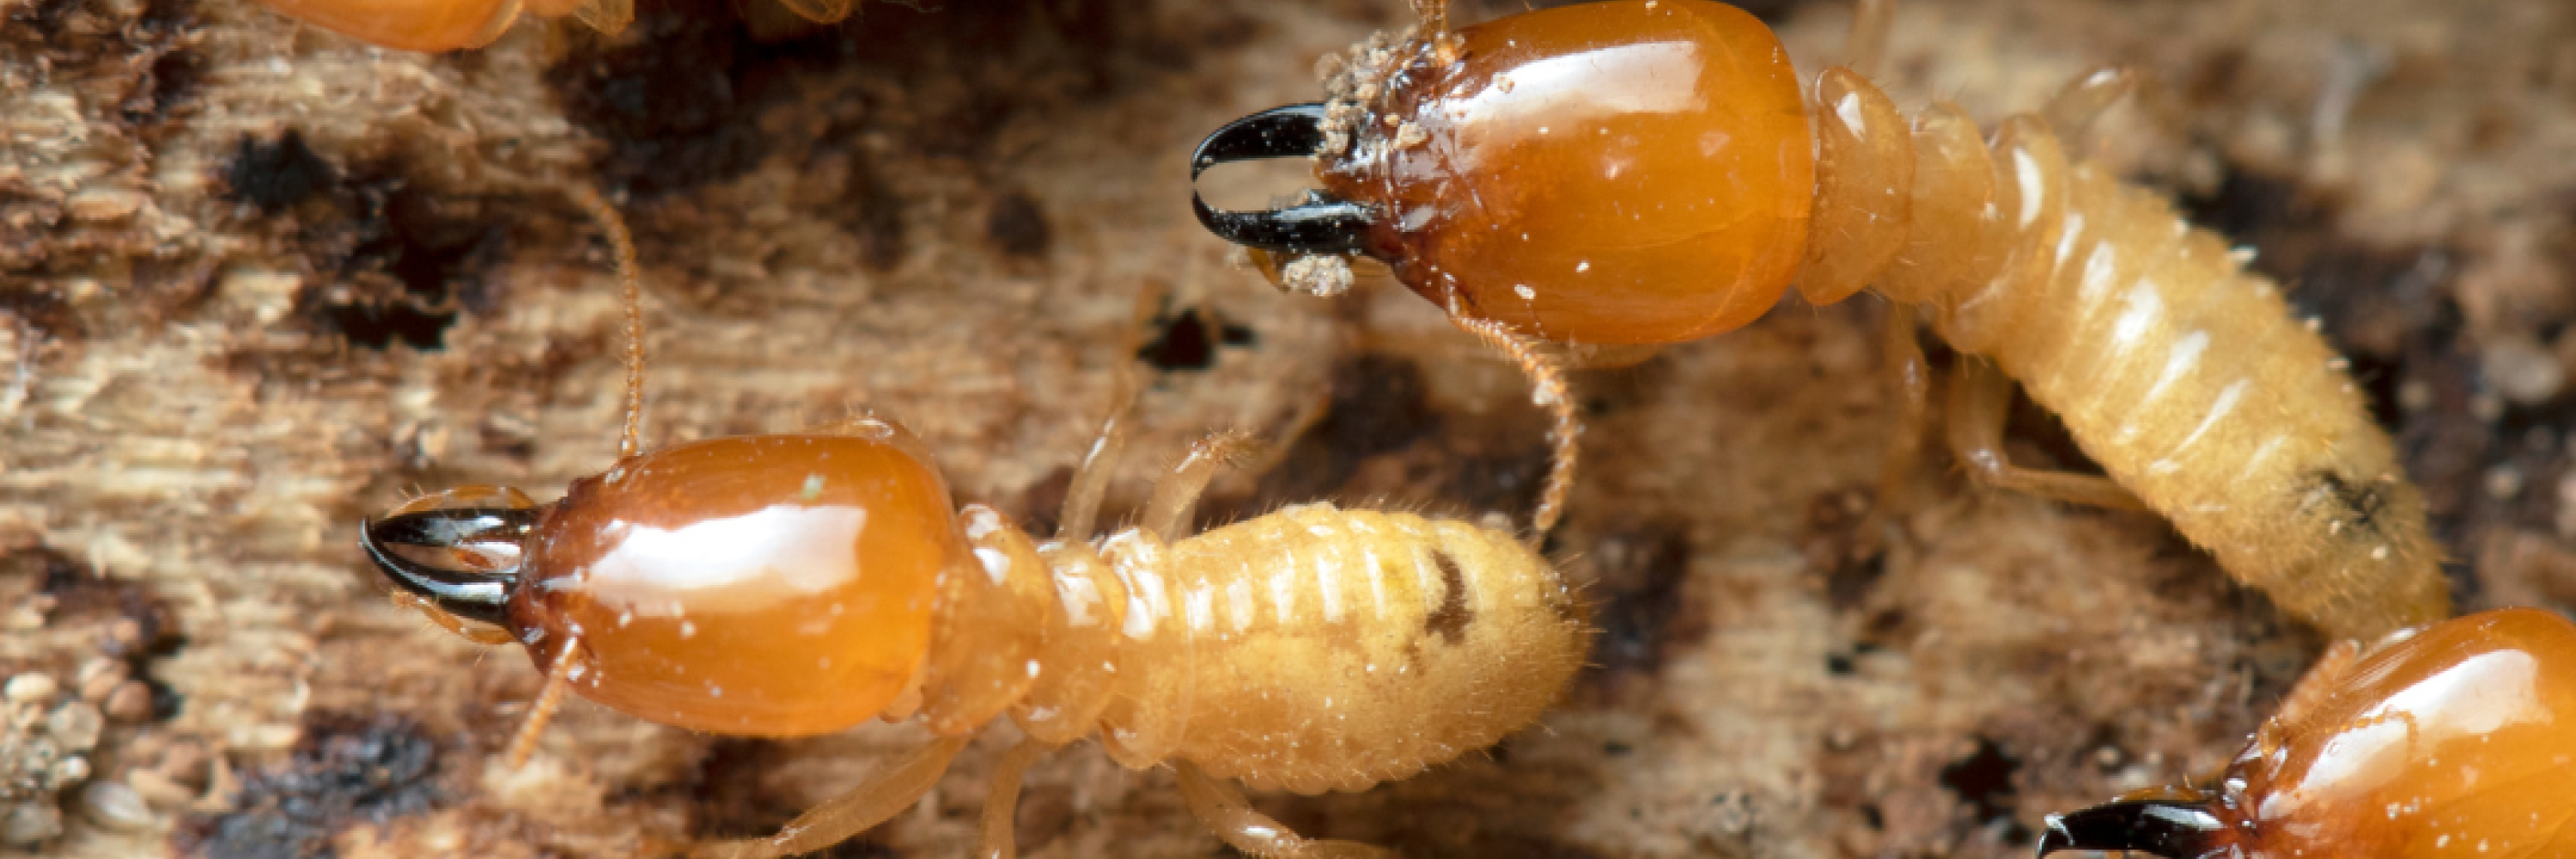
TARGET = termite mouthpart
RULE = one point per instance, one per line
(2174, 830)
(466, 590)
(1320, 225)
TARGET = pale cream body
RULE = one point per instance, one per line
(1310, 649)
(2187, 377)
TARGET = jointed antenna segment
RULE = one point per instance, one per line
(1549, 391)
(622, 244)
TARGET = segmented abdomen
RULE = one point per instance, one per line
(2183, 374)
(2194, 386)
(1335, 649)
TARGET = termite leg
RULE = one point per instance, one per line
(1222, 808)
(1866, 45)
(1176, 495)
(1980, 399)
(837, 819)
(1091, 479)
(1910, 380)
(558, 681)
(2072, 112)
(1002, 803)
(823, 11)
(606, 16)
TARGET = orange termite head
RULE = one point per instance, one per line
(772, 585)
(1635, 171)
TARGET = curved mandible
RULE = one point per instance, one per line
(473, 594)
(1321, 225)
(2176, 830)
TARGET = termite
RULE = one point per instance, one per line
(796, 584)
(1646, 171)
(438, 26)
(2458, 739)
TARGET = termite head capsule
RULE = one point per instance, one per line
(775, 585)
(1637, 171)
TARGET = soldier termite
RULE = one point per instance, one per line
(801, 583)
(1646, 171)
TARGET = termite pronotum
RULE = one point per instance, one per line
(801, 583)
(1646, 171)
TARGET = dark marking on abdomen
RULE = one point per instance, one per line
(1450, 621)
(2358, 503)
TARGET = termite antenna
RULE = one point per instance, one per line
(1176, 495)
(2174, 830)
(1320, 225)
(542, 711)
(1434, 15)
(622, 244)
(1866, 45)
(2073, 110)
(1548, 390)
